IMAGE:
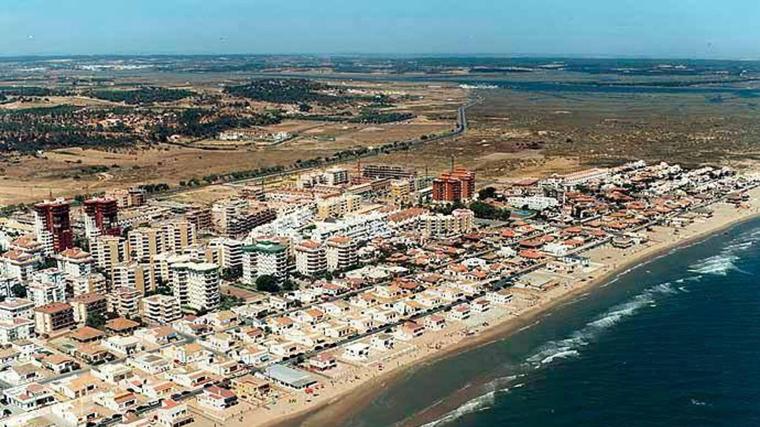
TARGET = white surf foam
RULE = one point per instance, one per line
(471, 406)
(554, 350)
(718, 265)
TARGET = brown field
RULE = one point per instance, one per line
(64, 172)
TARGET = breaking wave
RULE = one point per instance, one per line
(719, 265)
(726, 260)
(477, 404)
(566, 348)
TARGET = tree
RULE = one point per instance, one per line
(288, 285)
(18, 290)
(487, 193)
(267, 283)
(96, 320)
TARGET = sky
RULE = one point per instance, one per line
(631, 28)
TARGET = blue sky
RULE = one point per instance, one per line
(650, 28)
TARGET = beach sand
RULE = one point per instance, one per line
(338, 400)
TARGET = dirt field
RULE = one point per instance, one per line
(71, 171)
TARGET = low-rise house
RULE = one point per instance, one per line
(254, 355)
(77, 386)
(356, 351)
(87, 334)
(501, 297)
(409, 331)
(323, 362)
(29, 397)
(248, 386)
(217, 398)
(460, 312)
(114, 373)
(190, 377)
(119, 401)
(382, 341)
(59, 364)
(435, 322)
(481, 305)
(122, 326)
(125, 346)
(173, 414)
(221, 342)
(151, 363)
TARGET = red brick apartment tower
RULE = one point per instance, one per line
(454, 186)
(52, 225)
(103, 214)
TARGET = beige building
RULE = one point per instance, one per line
(337, 207)
(88, 304)
(53, 317)
(340, 253)
(438, 225)
(145, 243)
(310, 258)
(125, 301)
(109, 251)
(132, 275)
(161, 309)
(178, 235)
(401, 192)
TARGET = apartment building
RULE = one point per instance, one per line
(225, 252)
(340, 253)
(75, 262)
(88, 304)
(337, 207)
(161, 309)
(196, 285)
(47, 286)
(438, 225)
(125, 301)
(178, 234)
(310, 258)
(145, 243)
(53, 317)
(101, 217)
(109, 251)
(52, 225)
(132, 275)
(265, 258)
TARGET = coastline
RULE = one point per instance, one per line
(337, 408)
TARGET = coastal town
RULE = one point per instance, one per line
(128, 308)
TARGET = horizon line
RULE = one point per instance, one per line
(385, 55)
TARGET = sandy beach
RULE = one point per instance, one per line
(342, 397)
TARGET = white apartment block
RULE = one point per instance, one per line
(203, 286)
(340, 253)
(310, 258)
(161, 309)
(47, 286)
(265, 258)
(196, 285)
(225, 252)
(75, 262)
(145, 242)
(16, 308)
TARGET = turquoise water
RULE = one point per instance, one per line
(674, 342)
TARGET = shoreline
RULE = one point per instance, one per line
(338, 408)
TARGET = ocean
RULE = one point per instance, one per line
(673, 342)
